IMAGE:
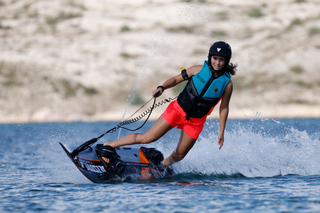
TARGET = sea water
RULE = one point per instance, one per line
(265, 165)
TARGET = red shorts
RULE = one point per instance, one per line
(176, 117)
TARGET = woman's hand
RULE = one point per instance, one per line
(158, 92)
(220, 139)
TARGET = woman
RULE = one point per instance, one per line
(207, 85)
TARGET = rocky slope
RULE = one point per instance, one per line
(64, 60)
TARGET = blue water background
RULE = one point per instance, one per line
(270, 165)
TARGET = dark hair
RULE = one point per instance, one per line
(232, 68)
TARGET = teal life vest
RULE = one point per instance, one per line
(202, 92)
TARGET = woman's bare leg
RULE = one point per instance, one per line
(158, 129)
(183, 147)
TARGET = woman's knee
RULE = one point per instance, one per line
(180, 156)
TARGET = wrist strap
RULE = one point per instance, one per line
(161, 88)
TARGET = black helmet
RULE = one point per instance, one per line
(221, 48)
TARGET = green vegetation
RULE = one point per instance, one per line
(67, 88)
(219, 33)
(137, 99)
(296, 21)
(255, 13)
(71, 89)
(223, 15)
(200, 52)
(297, 69)
(34, 14)
(61, 17)
(124, 29)
(297, 101)
(314, 31)
(300, 83)
(181, 29)
(127, 55)
(293, 23)
(16, 16)
(90, 90)
(11, 75)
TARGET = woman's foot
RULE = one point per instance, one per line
(110, 149)
(106, 152)
(109, 158)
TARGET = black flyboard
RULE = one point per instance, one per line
(140, 164)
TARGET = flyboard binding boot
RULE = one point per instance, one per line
(115, 165)
(156, 157)
(153, 155)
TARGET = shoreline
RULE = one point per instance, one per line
(240, 114)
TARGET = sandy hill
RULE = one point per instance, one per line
(90, 60)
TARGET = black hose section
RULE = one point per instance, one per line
(146, 112)
(150, 111)
(88, 143)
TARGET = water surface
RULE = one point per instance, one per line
(269, 165)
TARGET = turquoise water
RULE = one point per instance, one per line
(269, 165)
